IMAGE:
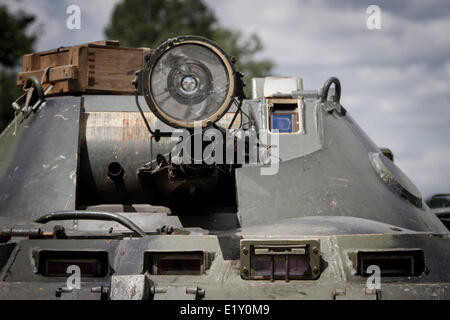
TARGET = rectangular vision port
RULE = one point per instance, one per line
(280, 259)
(55, 263)
(392, 263)
(176, 263)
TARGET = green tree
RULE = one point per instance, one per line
(14, 42)
(244, 49)
(148, 23)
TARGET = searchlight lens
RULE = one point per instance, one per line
(189, 79)
(189, 85)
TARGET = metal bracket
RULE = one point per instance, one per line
(178, 293)
(130, 287)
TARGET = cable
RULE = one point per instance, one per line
(91, 215)
(238, 106)
(143, 116)
(242, 112)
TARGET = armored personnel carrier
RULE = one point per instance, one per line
(168, 183)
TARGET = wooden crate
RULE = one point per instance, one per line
(101, 67)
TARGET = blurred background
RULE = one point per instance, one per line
(395, 80)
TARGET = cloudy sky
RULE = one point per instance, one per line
(395, 80)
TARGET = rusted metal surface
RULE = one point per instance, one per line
(117, 126)
(129, 126)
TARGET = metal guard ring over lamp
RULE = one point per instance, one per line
(190, 79)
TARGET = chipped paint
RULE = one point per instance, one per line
(339, 179)
(73, 175)
(117, 126)
(61, 116)
(333, 204)
(129, 126)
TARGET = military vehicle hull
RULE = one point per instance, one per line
(94, 206)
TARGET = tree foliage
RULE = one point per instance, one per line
(148, 23)
(244, 49)
(142, 23)
(14, 42)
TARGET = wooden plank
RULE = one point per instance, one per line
(52, 51)
(111, 43)
(54, 74)
(113, 70)
(55, 59)
(79, 58)
(61, 87)
(31, 62)
(26, 62)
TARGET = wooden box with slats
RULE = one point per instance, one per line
(101, 67)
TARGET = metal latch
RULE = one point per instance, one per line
(178, 293)
(280, 250)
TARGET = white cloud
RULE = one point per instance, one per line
(430, 169)
(51, 15)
